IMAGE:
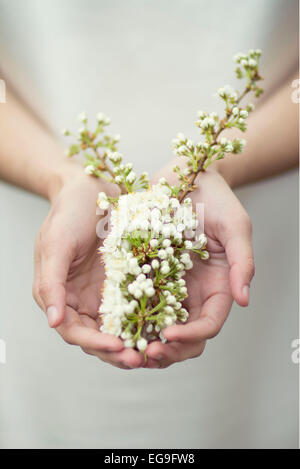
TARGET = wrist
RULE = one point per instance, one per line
(60, 177)
(71, 173)
(224, 168)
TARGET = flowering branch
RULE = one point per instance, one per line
(104, 158)
(153, 232)
(203, 153)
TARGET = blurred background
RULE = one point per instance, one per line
(150, 65)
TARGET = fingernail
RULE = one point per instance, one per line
(52, 315)
(245, 291)
(159, 357)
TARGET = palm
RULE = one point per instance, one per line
(211, 284)
(83, 286)
(206, 280)
(67, 245)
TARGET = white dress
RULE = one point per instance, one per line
(149, 65)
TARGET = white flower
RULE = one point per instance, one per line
(252, 63)
(138, 293)
(153, 243)
(168, 321)
(166, 243)
(146, 268)
(128, 343)
(188, 244)
(244, 114)
(89, 169)
(204, 255)
(166, 230)
(185, 258)
(149, 328)
(142, 344)
(181, 137)
(170, 251)
(165, 269)
(82, 116)
(119, 179)
(141, 278)
(137, 213)
(200, 242)
(101, 118)
(162, 337)
(102, 201)
(111, 325)
(171, 300)
(162, 254)
(180, 227)
(116, 157)
(125, 335)
(227, 92)
(131, 177)
(201, 114)
(150, 291)
(174, 203)
(162, 181)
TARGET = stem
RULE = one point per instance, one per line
(222, 126)
(108, 169)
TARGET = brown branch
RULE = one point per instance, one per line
(222, 127)
(108, 169)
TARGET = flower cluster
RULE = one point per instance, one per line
(212, 147)
(99, 148)
(146, 256)
(153, 231)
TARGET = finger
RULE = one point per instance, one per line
(239, 252)
(126, 359)
(36, 279)
(54, 267)
(74, 332)
(213, 315)
(167, 354)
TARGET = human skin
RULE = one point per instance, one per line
(272, 148)
(68, 275)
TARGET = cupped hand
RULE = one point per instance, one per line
(213, 284)
(68, 272)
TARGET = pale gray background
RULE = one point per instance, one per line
(149, 65)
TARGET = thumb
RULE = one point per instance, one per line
(55, 264)
(239, 252)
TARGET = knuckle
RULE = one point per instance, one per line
(243, 220)
(248, 223)
(68, 339)
(36, 296)
(165, 365)
(45, 245)
(44, 287)
(250, 267)
(213, 327)
(87, 351)
(35, 291)
(199, 350)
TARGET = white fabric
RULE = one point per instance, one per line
(149, 65)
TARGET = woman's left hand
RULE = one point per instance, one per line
(212, 284)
